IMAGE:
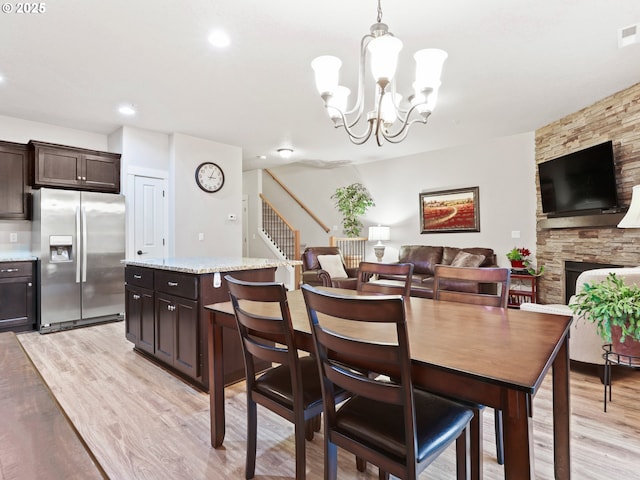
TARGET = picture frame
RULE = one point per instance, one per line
(447, 211)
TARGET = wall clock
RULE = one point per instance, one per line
(209, 177)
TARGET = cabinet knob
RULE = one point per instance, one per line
(29, 284)
(172, 284)
(171, 308)
(137, 277)
(84, 178)
(8, 270)
(136, 296)
(79, 177)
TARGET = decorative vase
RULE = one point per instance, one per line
(630, 347)
(517, 263)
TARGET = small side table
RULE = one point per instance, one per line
(613, 358)
(523, 289)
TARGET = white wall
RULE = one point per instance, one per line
(503, 169)
(193, 211)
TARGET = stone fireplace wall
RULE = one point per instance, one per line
(615, 118)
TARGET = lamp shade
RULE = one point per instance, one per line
(429, 63)
(632, 218)
(327, 73)
(384, 52)
(379, 233)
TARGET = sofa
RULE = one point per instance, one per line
(424, 259)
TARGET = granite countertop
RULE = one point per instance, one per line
(211, 264)
(16, 257)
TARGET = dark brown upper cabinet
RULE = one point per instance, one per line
(14, 183)
(70, 167)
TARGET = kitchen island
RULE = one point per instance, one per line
(165, 317)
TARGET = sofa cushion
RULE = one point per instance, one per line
(464, 259)
(332, 264)
(423, 257)
(449, 253)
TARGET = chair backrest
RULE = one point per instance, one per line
(310, 257)
(449, 285)
(266, 337)
(340, 351)
(396, 278)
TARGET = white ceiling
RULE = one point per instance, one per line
(513, 66)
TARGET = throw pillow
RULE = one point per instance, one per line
(332, 264)
(464, 259)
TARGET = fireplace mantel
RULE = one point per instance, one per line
(582, 221)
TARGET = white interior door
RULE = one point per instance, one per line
(149, 218)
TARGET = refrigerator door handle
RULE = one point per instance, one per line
(84, 245)
(77, 242)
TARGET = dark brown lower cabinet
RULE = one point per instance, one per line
(166, 320)
(177, 333)
(140, 318)
(17, 296)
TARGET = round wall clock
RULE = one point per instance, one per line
(209, 177)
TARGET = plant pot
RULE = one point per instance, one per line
(630, 347)
(517, 263)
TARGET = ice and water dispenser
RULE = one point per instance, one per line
(61, 248)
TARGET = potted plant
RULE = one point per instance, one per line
(519, 258)
(615, 309)
(352, 201)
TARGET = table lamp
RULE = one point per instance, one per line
(379, 233)
(632, 217)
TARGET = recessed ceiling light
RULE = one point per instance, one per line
(128, 109)
(219, 38)
(285, 152)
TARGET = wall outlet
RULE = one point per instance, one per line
(515, 234)
(201, 236)
(13, 237)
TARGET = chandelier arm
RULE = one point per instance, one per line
(378, 120)
(358, 139)
(405, 123)
(403, 132)
(359, 105)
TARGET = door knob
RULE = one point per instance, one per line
(140, 252)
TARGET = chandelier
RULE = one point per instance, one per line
(387, 120)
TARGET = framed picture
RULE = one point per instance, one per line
(455, 210)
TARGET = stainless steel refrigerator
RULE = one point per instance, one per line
(80, 240)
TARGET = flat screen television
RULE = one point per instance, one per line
(580, 182)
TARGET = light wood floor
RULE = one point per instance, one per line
(143, 423)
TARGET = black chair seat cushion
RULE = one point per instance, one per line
(381, 426)
(276, 383)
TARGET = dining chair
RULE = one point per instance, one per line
(452, 284)
(385, 278)
(386, 421)
(292, 389)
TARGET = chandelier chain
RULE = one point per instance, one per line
(379, 12)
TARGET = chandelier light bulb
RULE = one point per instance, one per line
(327, 72)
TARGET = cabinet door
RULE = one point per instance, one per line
(16, 304)
(101, 172)
(57, 167)
(165, 327)
(187, 354)
(14, 181)
(139, 318)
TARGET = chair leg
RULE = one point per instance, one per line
(330, 460)
(300, 434)
(361, 464)
(309, 428)
(382, 475)
(463, 455)
(317, 423)
(252, 431)
(499, 437)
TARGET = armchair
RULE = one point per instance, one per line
(331, 275)
(585, 343)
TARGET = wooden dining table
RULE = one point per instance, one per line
(487, 355)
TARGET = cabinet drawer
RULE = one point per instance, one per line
(180, 284)
(139, 276)
(16, 269)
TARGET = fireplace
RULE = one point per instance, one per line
(573, 269)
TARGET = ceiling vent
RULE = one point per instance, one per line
(629, 35)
